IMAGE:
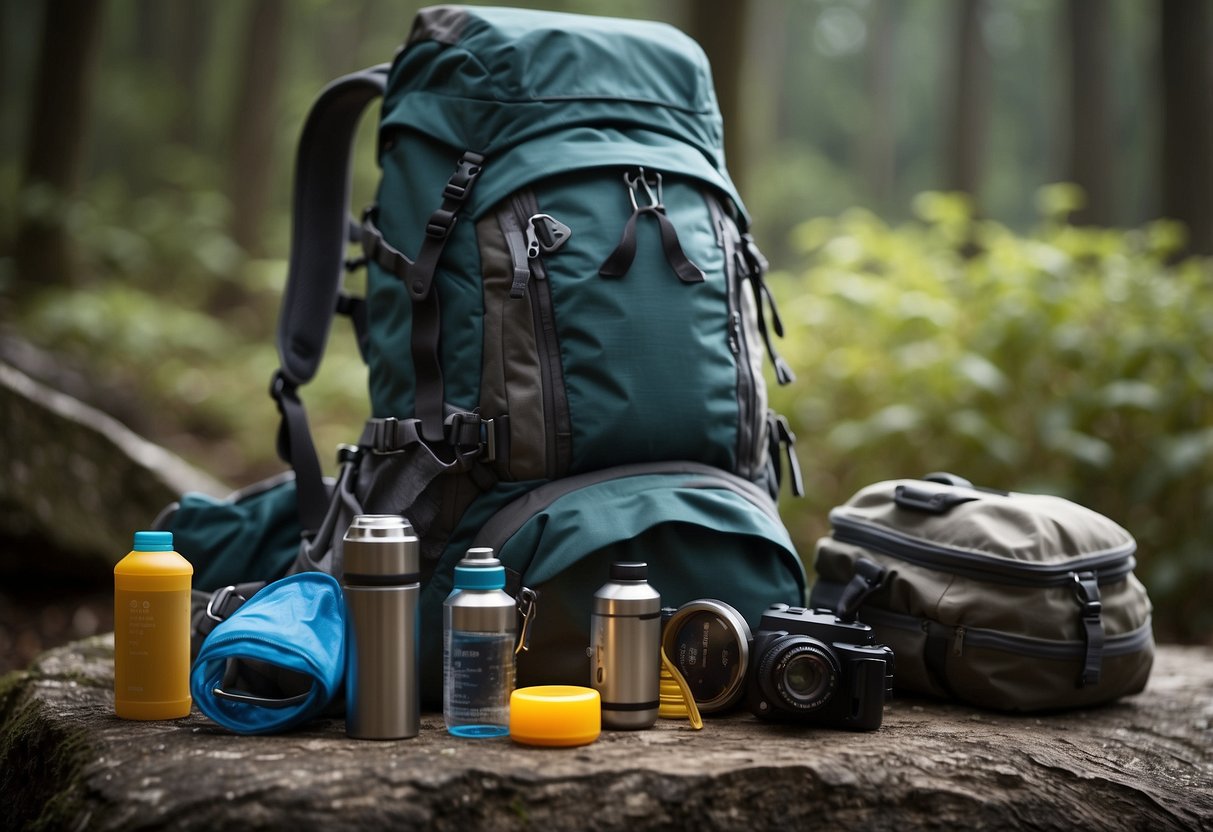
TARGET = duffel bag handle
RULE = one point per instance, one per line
(948, 479)
(935, 500)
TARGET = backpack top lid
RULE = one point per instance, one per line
(540, 93)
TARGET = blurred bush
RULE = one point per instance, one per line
(1071, 361)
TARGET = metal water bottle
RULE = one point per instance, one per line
(381, 586)
(625, 647)
(479, 626)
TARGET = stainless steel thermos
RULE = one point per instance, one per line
(381, 586)
(625, 645)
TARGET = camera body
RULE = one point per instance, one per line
(811, 666)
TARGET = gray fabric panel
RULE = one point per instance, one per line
(511, 381)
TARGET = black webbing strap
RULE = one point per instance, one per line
(427, 317)
(378, 250)
(763, 299)
(427, 366)
(466, 434)
(620, 260)
(1086, 591)
(868, 577)
(458, 188)
(939, 643)
(782, 444)
(295, 446)
(319, 224)
(418, 279)
(354, 308)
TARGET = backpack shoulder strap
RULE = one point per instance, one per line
(319, 223)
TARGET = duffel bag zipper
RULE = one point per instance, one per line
(1109, 565)
(962, 636)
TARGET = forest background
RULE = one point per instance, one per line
(990, 224)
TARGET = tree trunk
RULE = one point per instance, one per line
(970, 82)
(1092, 157)
(879, 160)
(1187, 118)
(766, 69)
(192, 35)
(56, 142)
(251, 130)
(720, 28)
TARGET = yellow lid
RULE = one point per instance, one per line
(556, 715)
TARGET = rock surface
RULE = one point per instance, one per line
(76, 482)
(1146, 763)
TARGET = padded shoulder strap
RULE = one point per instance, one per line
(320, 218)
(319, 231)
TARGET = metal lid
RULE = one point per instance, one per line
(381, 544)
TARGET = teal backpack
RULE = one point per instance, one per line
(565, 326)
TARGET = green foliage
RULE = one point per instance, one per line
(200, 380)
(1071, 361)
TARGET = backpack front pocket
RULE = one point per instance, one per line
(704, 533)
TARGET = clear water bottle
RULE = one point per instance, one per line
(479, 625)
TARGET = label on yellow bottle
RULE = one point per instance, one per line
(151, 632)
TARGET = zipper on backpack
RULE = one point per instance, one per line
(748, 417)
(1110, 565)
(534, 234)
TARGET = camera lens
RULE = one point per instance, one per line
(709, 642)
(800, 672)
(806, 677)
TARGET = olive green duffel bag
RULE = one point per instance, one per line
(1019, 602)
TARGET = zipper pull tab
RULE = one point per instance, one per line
(786, 441)
(958, 641)
(735, 332)
(518, 243)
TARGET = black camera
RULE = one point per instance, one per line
(811, 666)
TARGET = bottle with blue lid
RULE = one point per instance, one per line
(479, 627)
(152, 630)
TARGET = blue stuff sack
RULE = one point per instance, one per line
(278, 661)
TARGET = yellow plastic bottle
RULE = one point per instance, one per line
(152, 630)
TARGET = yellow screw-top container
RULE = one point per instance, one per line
(152, 630)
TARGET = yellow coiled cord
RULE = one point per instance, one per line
(676, 701)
